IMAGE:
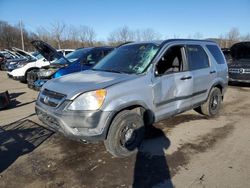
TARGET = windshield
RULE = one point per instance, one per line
(37, 55)
(131, 59)
(73, 56)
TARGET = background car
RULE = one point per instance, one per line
(11, 57)
(239, 65)
(79, 60)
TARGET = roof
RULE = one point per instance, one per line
(162, 42)
(96, 47)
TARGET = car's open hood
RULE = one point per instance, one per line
(240, 50)
(88, 80)
(23, 53)
(47, 51)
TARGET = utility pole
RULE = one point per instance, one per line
(21, 29)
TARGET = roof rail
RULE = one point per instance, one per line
(124, 44)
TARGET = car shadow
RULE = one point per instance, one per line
(15, 104)
(15, 95)
(239, 84)
(151, 167)
(20, 138)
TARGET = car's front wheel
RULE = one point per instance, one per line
(125, 134)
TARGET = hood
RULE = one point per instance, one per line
(240, 50)
(47, 51)
(74, 84)
(23, 53)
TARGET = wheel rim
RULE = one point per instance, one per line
(214, 103)
(128, 136)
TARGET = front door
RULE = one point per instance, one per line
(173, 83)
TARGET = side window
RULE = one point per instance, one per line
(94, 56)
(67, 52)
(60, 52)
(171, 61)
(197, 57)
(106, 52)
(215, 51)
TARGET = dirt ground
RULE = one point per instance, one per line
(188, 150)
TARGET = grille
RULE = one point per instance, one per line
(51, 98)
(239, 71)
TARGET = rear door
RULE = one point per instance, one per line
(198, 63)
(173, 84)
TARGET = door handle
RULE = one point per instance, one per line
(212, 72)
(186, 77)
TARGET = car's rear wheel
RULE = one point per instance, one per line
(125, 134)
(212, 106)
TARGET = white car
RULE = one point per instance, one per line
(19, 70)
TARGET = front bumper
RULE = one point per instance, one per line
(20, 78)
(243, 78)
(88, 126)
(238, 80)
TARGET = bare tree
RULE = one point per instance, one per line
(72, 37)
(197, 35)
(43, 34)
(87, 35)
(233, 36)
(58, 29)
(246, 37)
(222, 41)
(137, 35)
(149, 34)
(121, 35)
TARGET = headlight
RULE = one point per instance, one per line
(45, 73)
(92, 100)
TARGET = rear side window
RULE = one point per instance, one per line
(197, 57)
(107, 51)
(215, 51)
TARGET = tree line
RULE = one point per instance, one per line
(61, 35)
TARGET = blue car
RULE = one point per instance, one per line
(78, 60)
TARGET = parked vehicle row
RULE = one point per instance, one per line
(113, 94)
(19, 70)
(10, 56)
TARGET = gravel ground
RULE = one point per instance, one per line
(187, 150)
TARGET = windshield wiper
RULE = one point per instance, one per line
(108, 70)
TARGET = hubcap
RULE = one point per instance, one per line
(128, 135)
(214, 102)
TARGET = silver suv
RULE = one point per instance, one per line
(133, 87)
